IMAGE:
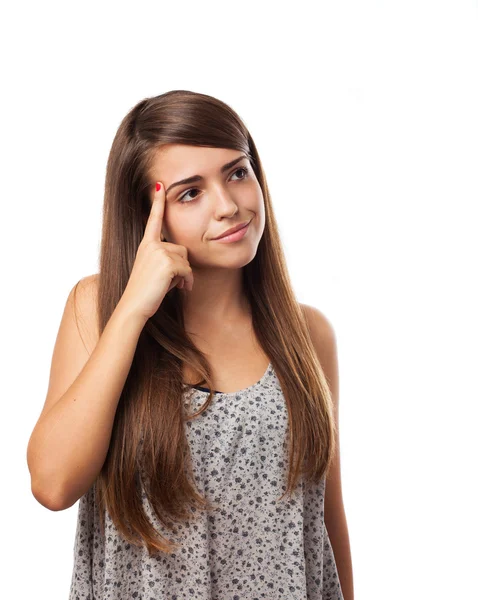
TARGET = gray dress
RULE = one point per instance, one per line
(251, 547)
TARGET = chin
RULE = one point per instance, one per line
(238, 258)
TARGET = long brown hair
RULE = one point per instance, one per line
(148, 455)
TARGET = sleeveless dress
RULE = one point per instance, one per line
(251, 547)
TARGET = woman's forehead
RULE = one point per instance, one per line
(175, 162)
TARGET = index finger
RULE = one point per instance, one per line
(155, 220)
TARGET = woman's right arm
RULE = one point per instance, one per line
(69, 443)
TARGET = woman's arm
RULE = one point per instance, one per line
(323, 338)
(70, 440)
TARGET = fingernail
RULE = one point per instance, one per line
(158, 186)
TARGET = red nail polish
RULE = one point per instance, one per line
(158, 186)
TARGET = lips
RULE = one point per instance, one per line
(232, 230)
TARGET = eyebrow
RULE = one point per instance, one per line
(195, 178)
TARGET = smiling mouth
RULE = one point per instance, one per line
(228, 233)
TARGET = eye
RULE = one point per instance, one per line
(181, 198)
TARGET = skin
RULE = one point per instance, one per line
(196, 212)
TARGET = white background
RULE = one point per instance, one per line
(365, 118)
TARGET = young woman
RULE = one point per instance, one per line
(192, 407)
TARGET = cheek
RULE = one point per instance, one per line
(258, 206)
(186, 230)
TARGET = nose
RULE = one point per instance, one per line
(224, 203)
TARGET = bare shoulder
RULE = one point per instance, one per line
(88, 285)
(323, 338)
(85, 307)
(75, 341)
(321, 329)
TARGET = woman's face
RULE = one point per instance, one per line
(196, 212)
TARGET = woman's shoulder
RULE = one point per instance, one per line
(90, 281)
(85, 301)
(318, 322)
(85, 292)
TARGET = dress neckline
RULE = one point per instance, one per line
(243, 391)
